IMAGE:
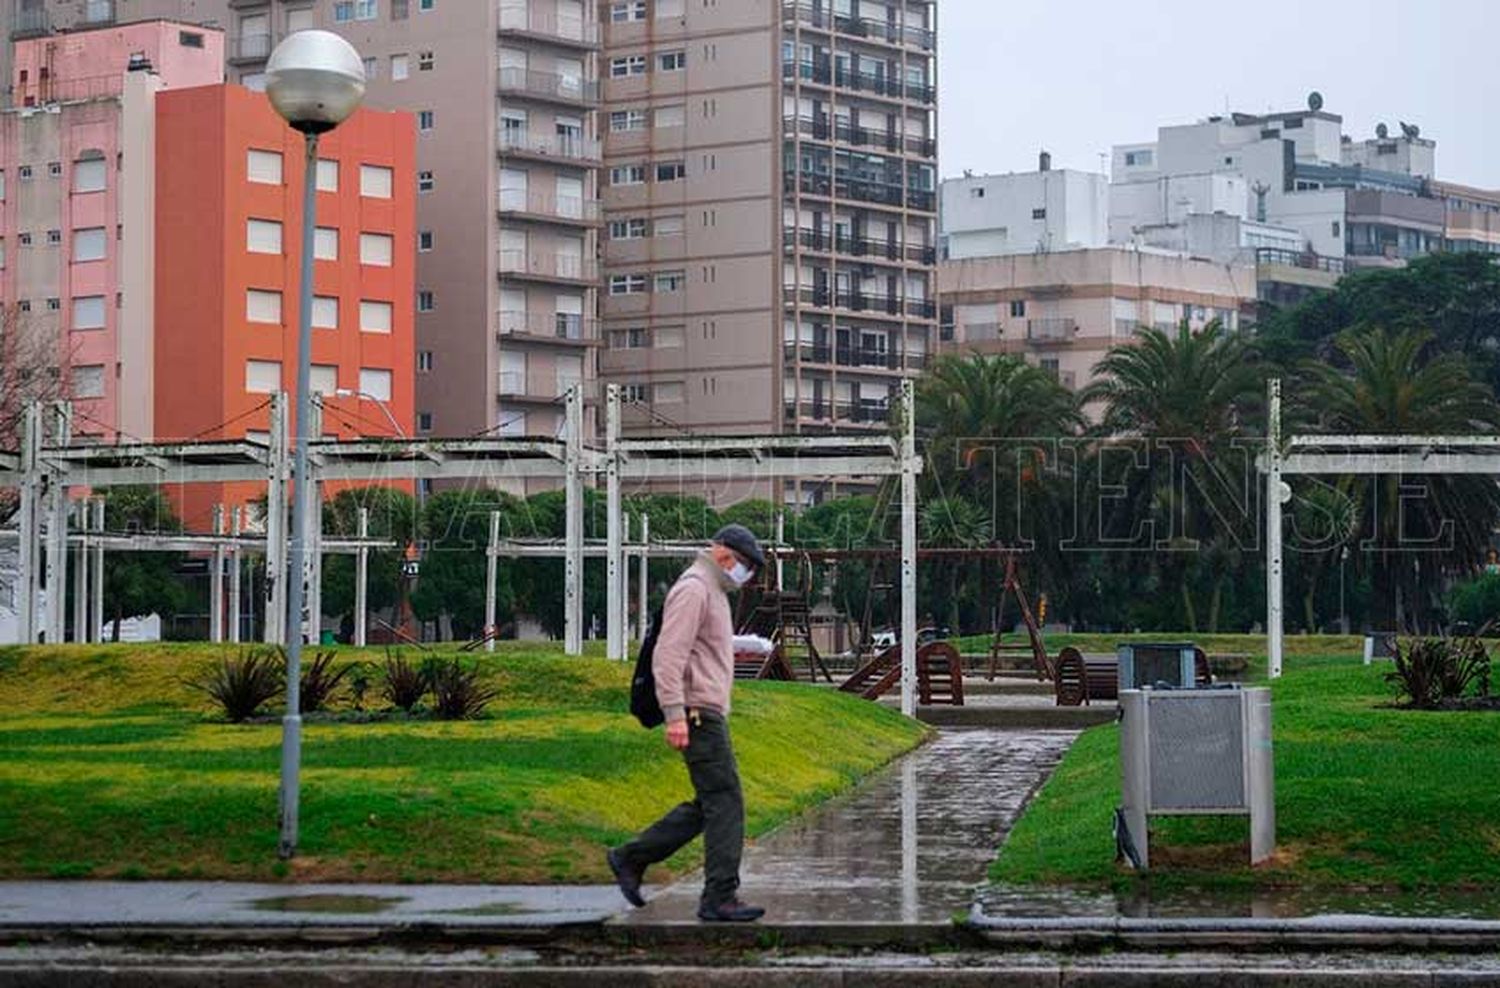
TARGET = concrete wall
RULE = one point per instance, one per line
(996, 214)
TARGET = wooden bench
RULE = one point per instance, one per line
(1082, 679)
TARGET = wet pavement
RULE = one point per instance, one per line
(910, 845)
(1177, 903)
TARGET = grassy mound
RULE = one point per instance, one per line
(1367, 795)
(110, 766)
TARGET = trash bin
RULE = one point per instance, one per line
(326, 637)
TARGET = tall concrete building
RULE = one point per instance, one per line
(507, 209)
(770, 210)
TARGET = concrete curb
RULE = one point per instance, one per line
(1015, 718)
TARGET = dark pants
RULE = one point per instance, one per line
(717, 810)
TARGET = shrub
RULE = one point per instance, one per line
(405, 684)
(457, 692)
(319, 681)
(1477, 601)
(242, 684)
(1430, 671)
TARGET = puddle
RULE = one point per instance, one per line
(1246, 904)
(488, 909)
(329, 903)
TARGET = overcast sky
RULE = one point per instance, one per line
(1076, 76)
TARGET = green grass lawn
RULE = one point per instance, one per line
(1366, 795)
(111, 767)
(1295, 646)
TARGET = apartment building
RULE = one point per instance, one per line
(1472, 221)
(1062, 311)
(770, 209)
(507, 200)
(228, 216)
(75, 240)
(1023, 212)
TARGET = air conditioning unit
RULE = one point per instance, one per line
(1147, 664)
(1195, 752)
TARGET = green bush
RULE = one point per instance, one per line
(1476, 601)
(405, 684)
(1430, 671)
(457, 692)
(242, 684)
(319, 681)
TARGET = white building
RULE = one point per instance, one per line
(1024, 212)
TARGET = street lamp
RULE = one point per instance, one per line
(355, 393)
(315, 80)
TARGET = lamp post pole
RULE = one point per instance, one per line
(315, 80)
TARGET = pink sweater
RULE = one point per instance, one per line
(694, 657)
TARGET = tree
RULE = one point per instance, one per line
(455, 525)
(137, 584)
(393, 516)
(33, 367)
(1402, 384)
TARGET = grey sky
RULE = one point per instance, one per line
(1076, 76)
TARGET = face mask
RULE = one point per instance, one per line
(740, 574)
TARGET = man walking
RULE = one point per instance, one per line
(694, 668)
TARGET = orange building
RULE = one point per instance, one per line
(228, 241)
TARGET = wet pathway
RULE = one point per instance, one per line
(910, 845)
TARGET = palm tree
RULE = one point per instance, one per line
(1391, 384)
(1182, 399)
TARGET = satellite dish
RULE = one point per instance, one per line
(1382, 131)
(1315, 101)
(1412, 131)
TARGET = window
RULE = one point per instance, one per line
(54, 237)
(1018, 308)
(627, 10)
(670, 171)
(328, 175)
(190, 39)
(424, 361)
(426, 5)
(631, 229)
(627, 65)
(254, 81)
(669, 8)
(375, 383)
(627, 175)
(263, 306)
(2, 184)
(89, 244)
(400, 67)
(671, 61)
(375, 317)
(424, 421)
(668, 226)
(1135, 158)
(24, 305)
(89, 173)
(88, 312)
(671, 116)
(669, 281)
(326, 244)
(627, 284)
(668, 392)
(425, 120)
(263, 167)
(1039, 214)
(25, 171)
(303, 19)
(425, 61)
(263, 236)
(88, 381)
(425, 182)
(633, 392)
(375, 181)
(425, 301)
(669, 337)
(635, 338)
(424, 241)
(376, 249)
(54, 304)
(54, 169)
(621, 121)
(25, 239)
(977, 192)
(355, 10)
(325, 312)
(324, 379)
(262, 377)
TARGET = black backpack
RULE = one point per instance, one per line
(643, 702)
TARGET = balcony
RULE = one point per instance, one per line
(887, 32)
(548, 207)
(551, 87)
(546, 266)
(547, 25)
(546, 327)
(29, 21)
(1051, 330)
(861, 412)
(1306, 260)
(98, 13)
(250, 48)
(576, 151)
(858, 301)
(843, 132)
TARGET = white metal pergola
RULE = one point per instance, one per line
(43, 473)
(1348, 455)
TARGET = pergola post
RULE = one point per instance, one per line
(1273, 531)
(573, 515)
(781, 541)
(909, 468)
(362, 581)
(624, 585)
(27, 559)
(491, 581)
(643, 617)
(614, 598)
(57, 530)
(96, 628)
(276, 503)
(216, 582)
(81, 574)
(236, 572)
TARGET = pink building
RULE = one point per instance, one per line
(77, 193)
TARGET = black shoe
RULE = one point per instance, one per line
(628, 878)
(733, 911)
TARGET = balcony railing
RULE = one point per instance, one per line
(859, 27)
(819, 129)
(857, 301)
(547, 326)
(511, 383)
(29, 21)
(537, 202)
(549, 146)
(983, 332)
(846, 411)
(1299, 259)
(547, 85)
(1051, 330)
(520, 18)
(861, 191)
(845, 243)
(250, 47)
(546, 264)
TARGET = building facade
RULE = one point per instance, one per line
(1024, 212)
(1062, 311)
(770, 210)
